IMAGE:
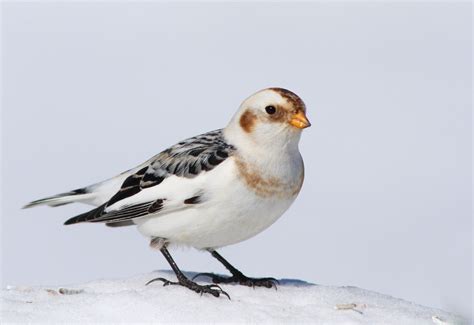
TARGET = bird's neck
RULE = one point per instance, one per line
(262, 150)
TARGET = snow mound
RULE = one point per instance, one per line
(129, 300)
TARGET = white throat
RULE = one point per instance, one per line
(261, 148)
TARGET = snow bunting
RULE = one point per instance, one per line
(209, 191)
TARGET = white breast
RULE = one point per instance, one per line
(233, 211)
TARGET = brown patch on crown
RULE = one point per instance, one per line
(291, 98)
(247, 121)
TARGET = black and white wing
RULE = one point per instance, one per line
(187, 159)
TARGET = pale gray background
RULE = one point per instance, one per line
(93, 89)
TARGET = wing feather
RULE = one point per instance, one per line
(186, 159)
(99, 214)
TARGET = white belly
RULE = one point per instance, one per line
(232, 213)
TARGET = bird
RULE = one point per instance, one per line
(209, 191)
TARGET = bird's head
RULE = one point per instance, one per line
(270, 117)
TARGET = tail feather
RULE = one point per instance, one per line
(95, 194)
(61, 199)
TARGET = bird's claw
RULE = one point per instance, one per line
(242, 280)
(165, 281)
(212, 289)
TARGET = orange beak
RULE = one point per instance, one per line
(299, 120)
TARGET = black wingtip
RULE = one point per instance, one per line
(84, 217)
(71, 221)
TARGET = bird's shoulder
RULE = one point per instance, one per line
(188, 159)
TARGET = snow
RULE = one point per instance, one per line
(129, 300)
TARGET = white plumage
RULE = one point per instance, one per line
(213, 190)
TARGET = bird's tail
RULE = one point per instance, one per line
(95, 194)
(79, 195)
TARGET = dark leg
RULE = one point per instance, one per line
(237, 276)
(213, 289)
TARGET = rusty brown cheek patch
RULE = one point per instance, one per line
(247, 121)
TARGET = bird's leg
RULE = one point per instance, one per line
(237, 276)
(213, 289)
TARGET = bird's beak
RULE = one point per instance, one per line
(299, 120)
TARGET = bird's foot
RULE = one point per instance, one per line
(242, 280)
(212, 289)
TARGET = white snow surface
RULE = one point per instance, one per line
(129, 300)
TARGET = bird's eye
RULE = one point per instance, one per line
(270, 109)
